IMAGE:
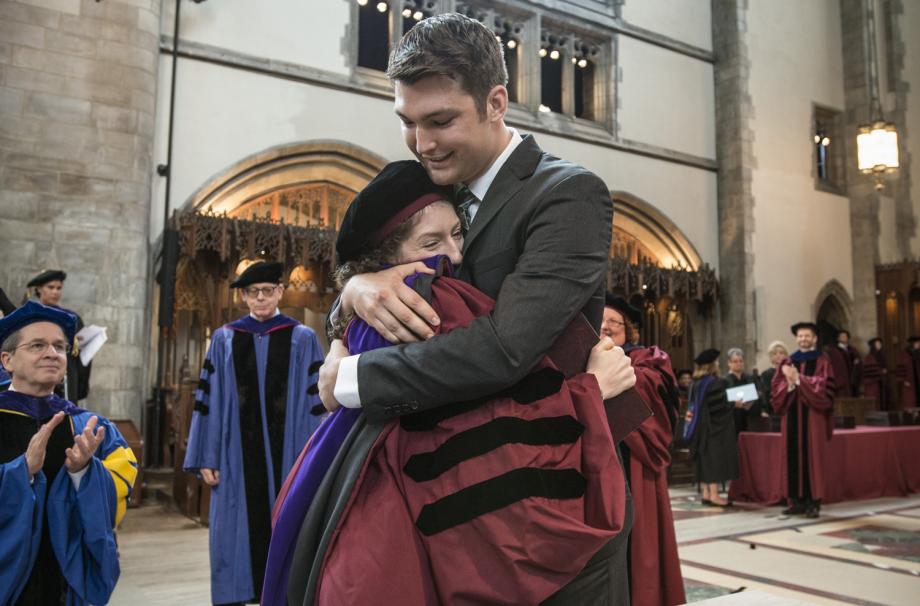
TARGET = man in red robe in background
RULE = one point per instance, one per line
(907, 373)
(854, 365)
(654, 567)
(875, 375)
(803, 392)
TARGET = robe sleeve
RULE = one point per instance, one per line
(22, 505)
(204, 436)
(901, 369)
(780, 396)
(655, 383)
(81, 527)
(817, 391)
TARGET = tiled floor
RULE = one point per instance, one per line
(865, 552)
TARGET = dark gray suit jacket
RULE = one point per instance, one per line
(539, 245)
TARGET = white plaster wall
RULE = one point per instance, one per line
(305, 32)
(910, 26)
(685, 20)
(666, 98)
(802, 236)
(225, 115)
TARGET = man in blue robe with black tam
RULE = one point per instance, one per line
(257, 404)
(65, 473)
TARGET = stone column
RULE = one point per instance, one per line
(734, 152)
(77, 102)
(864, 201)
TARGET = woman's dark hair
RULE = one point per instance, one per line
(455, 46)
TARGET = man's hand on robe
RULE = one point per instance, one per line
(211, 477)
(84, 446)
(612, 367)
(329, 373)
(383, 300)
(35, 452)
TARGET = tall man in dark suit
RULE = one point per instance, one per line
(538, 242)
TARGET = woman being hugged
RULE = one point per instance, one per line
(492, 500)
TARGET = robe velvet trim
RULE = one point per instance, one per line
(337, 553)
(807, 425)
(77, 524)
(654, 566)
(250, 423)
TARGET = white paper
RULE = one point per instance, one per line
(747, 392)
(91, 338)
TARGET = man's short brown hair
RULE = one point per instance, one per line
(455, 46)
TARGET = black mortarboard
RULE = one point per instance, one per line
(799, 325)
(398, 192)
(49, 275)
(707, 357)
(31, 312)
(913, 339)
(622, 305)
(259, 272)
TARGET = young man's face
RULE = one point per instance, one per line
(40, 359)
(806, 339)
(442, 127)
(685, 380)
(843, 338)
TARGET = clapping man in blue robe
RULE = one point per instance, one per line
(65, 473)
(257, 404)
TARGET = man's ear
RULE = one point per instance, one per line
(497, 103)
(4, 359)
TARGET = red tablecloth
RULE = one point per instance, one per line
(863, 463)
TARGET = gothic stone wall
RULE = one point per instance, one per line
(77, 98)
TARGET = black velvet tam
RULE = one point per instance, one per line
(32, 312)
(49, 275)
(622, 305)
(800, 325)
(258, 273)
(707, 357)
(399, 191)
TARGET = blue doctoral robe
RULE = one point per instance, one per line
(256, 406)
(65, 535)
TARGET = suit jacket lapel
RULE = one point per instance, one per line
(509, 180)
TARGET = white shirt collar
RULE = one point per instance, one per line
(480, 186)
(277, 311)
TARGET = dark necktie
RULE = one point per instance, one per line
(465, 199)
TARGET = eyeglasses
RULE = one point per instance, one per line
(39, 347)
(615, 322)
(254, 291)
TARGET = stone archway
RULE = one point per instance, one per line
(641, 231)
(833, 305)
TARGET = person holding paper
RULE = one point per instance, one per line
(743, 410)
(65, 473)
(48, 287)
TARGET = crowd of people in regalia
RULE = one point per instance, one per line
(468, 438)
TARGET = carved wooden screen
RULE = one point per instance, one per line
(317, 204)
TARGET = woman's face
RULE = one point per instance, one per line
(436, 232)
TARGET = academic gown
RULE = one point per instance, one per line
(497, 500)
(807, 423)
(840, 367)
(654, 567)
(256, 406)
(875, 380)
(743, 416)
(714, 444)
(56, 540)
(77, 378)
(907, 373)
